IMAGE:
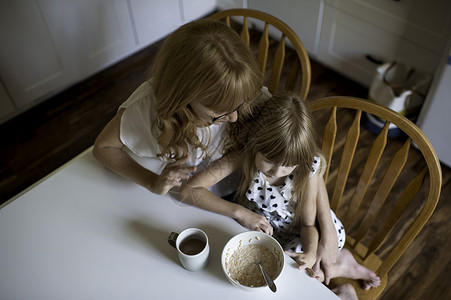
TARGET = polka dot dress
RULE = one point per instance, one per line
(274, 203)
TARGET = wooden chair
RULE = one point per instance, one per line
(382, 199)
(297, 75)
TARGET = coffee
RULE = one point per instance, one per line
(192, 245)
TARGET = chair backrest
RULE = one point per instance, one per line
(293, 77)
(382, 189)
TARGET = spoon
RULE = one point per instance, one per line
(268, 279)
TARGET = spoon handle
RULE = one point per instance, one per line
(268, 279)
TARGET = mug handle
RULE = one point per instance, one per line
(172, 239)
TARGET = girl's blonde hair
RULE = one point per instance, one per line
(280, 128)
(205, 61)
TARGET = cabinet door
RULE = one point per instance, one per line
(6, 105)
(30, 66)
(422, 22)
(434, 118)
(347, 40)
(89, 35)
(154, 19)
(302, 16)
(194, 9)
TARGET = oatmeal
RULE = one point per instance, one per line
(242, 268)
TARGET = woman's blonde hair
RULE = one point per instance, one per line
(281, 129)
(205, 61)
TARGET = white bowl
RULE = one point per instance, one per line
(252, 238)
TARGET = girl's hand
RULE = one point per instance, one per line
(305, 262)
(326, 256)
(254, 221)
(172, 175)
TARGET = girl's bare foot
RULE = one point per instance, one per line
(346, 292)
(348, 267)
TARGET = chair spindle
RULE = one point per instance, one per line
(367, 174)
(389, 179)
(277, 68)
(245, 32)
(404, 199)
(263, 49)
(350, 145)
(330, 133)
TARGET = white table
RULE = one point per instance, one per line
(85, 233)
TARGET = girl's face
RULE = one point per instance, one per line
(270, 170)
(211, 117)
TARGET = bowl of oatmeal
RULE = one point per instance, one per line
(243, 250)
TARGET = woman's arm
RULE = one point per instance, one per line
(195, 192)
(109, 150)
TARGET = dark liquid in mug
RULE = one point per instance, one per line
(192, 245)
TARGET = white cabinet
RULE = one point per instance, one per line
(88, 35)
(413, 32)
(434, 118)
(229, 4)
(193, 9)
(153, 19)
(302, 16)
(422, 22)
(343, 33)
(30, 65)
(48, 45)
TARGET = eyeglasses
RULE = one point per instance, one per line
(214, 119)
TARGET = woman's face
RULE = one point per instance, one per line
(211, 117)
(270, 170)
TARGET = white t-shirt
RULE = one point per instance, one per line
(136, 128)
(136, 133)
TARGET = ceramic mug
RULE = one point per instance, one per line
(192, 248)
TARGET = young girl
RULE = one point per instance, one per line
(281, 171)
(202, 75)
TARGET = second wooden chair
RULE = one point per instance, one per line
(278, 75)
(383, 198)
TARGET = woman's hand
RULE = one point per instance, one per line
(253, 221)
(172, 175)
(304, 260)
(326, 256)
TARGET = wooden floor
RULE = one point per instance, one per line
(45, 137)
